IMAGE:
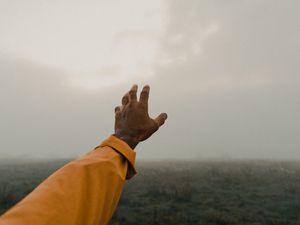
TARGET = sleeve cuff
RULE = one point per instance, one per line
(124, 149)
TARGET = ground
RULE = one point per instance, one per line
(185, 192)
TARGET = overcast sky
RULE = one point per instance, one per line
(226, 72)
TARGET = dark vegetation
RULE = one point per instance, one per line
(195, 192)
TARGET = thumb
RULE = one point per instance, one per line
(160, 120)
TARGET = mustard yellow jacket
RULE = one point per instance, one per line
(83, 192)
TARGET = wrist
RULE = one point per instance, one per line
(130, 141)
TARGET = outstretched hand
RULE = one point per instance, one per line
(133, 123)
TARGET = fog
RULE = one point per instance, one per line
(226, 72)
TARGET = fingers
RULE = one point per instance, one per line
(117, 109)
(125, 99)
(132, 93)
(160, 120)
(145, 95)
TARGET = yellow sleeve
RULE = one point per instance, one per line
(83, 192)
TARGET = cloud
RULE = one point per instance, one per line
(84, 38)
(244, 41)
(42, 116)
(238, 95)
(226, 72)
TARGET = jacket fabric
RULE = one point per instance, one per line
(85, 191)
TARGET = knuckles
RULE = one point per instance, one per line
(117, 109)
(132, 92)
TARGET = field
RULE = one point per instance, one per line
(185, 192)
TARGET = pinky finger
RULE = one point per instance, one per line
(117, 109)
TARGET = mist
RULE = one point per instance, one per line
(226, 73)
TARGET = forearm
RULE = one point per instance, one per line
(85, 191)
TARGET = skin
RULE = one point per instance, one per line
(132, 121)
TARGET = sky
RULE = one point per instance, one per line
(226, 72)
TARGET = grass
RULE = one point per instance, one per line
(186, 192)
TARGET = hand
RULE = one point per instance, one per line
(133, 123)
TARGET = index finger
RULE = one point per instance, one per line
(132, 93)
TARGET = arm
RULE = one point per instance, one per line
(86, 191)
